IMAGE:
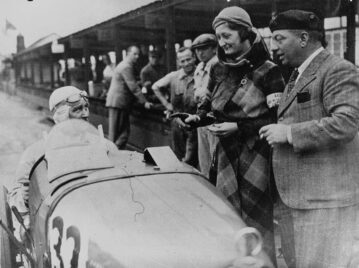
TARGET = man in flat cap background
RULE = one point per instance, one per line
(205, 46)
(315, 147)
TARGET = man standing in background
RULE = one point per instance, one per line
(181, 85)
(205, 48)
(123, 92)
(8, 77)
(152, 72)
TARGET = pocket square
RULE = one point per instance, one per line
(303, 97)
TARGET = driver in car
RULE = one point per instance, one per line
(65, 103)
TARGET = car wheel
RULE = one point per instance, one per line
(7, 251)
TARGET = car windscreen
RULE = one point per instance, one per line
(72, 146)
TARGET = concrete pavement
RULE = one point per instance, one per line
(21, 124)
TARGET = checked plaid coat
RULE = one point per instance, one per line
(246, 92)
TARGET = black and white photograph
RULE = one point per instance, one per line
(179, 133)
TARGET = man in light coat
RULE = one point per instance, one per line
(315, 147)
(205, 47)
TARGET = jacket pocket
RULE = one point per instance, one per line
(309, 110)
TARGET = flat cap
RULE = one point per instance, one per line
(203, 40)
(296, 20)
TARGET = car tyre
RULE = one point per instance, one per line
(7, 256)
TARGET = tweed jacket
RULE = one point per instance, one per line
(321, 168)
(124, 89)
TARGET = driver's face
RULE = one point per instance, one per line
(80, 110)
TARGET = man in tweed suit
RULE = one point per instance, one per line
(315, 147)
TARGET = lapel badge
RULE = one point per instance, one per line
(243, 81)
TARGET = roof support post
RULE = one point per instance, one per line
(351, 9)
(52, 77)
(17, 70)
(25, 64)
(66, 57)
(118, 47)
(40, 71)
(32, 72)
(170, 39)
(86, 53)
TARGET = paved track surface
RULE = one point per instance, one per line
(21, 124)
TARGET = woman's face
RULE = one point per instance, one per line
(229, 40)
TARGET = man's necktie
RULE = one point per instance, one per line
(204, 66)
(291, 81)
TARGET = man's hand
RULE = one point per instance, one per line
(148, 105)
(181, 124)
(223, 129)
(169, 107)
(275, 133)
(192, 118)
(144, 90)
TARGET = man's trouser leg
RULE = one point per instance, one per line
(320, 238)
(123, 129)
(119, 126)
(191, 156)
(112, 123)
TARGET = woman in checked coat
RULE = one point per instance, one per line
(243, 94)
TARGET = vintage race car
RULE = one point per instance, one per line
(94, 207)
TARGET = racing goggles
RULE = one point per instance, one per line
(73, 99)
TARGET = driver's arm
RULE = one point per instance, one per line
(19, 195)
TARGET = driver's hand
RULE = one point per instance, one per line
(25, 192)
(250, 262)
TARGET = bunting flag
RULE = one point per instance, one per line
(9, 26)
